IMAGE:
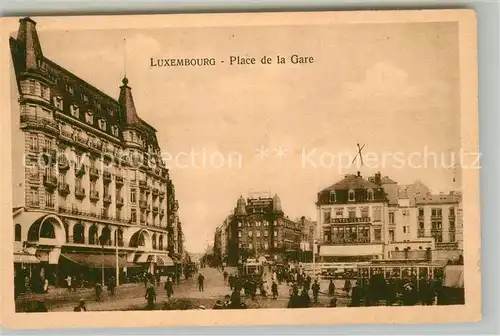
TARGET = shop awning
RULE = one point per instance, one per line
(25, 259)
(164, 260)
(454, 276)
(95, 260)
(144, 258)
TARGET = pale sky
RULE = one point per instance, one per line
(392, 87)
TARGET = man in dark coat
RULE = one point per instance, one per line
(169, 287)
(315, 289)
(356, 296)
(331, 288)
(150, 296)
(305, 300)
(274, 290)
(201, 282)
(294, 301)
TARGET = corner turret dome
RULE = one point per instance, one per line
(276, 203)
(241, 206)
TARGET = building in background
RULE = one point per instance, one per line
(376, 218)
(88, 173)
(259, 229)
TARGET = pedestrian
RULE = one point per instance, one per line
(294, 301)
(231, 281)
(81, 306)
(333, 302)
(274, 289)
(347, 286)
(219, 305)
(201, 280)
(169, 287)
(355, 296)
(111, 286)
(235, 300)
(68, 283)
(225, 277)
(315, 289)
(150, 296)
(305, 300)
(46, 286)
(331, 288)
(98, 291)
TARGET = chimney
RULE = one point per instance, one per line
(359, 173)
(378, 179)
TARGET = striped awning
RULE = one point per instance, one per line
(23, 258)
(95, 260)
(144, 258)
(164, 260)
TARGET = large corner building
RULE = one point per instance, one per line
(88, 174)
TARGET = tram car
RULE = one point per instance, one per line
(251, 270)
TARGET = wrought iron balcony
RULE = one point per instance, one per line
(119, 180)
(63, 189)
(93, 173)
(142, 184)
(37, 121)
(156, 192)
(155, 210)
(63, 163)
(94, 196)
(106, 176)
(50, 181)
(50, 153)
(79, 193)
(119, 201)
(106, 199)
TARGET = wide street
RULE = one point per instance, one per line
(131, 296)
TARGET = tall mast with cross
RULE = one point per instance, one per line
(359, 157)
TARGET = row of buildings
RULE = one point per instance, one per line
(359, 219)
(89, 181)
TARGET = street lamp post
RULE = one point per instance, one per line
(116, 260)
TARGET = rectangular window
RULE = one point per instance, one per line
(406, 229)
(250, 246)
(333, 197)
(339, 213)
(365, 212)
(250, 233)
(49, 200)
(352, 212)
(275, 244)
(75, 112)
(327, 216)
(391, 236)
(34, 197)
(377, 233)
(239, 234)
(266, 233)
(266, 246)
(33, 140)
(93, 186)
(133, 196)
(437, 212)
(391, 217)
(78, 183)
(239, 224)
(452, 212)
(45, 92)
(133, 215)
(258, 233)
(351, 195)
(377, 213)
(421, 224)
(276, 233)
(421, 212)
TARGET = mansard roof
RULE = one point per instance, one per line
(352, 182)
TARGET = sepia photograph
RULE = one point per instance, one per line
(241, 163)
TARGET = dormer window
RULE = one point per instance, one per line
(333, 197)
(85, 98)
(351, 195)
(98, 104)
(111, 112)
(102, 124)
(58, 102)
(114, 130)
(370, 194)
(75, 111)
(89, 117)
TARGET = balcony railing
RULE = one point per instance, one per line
(142, 184)
(81, 140)
(63, 189)
(50, 181)
(143, 204)
(79, 193)
(39, 122)
(67, 135)
(63, 163)
(94, 173)
(119, 180)
(351, 220)
(94, 195)
(51, 153)
(447, 246)
(155, 192)
(421, 233)
(107, 199)
(148, 190)
(106, 176)
(155, 209)
(95, 145)
(119, 201)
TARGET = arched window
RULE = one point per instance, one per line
(154, 241)
(17, 232)
(47, 230)
(160, 242)
(78, 234)
(106, 233)
(93, 235)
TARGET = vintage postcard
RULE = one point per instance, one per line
(280, 168)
